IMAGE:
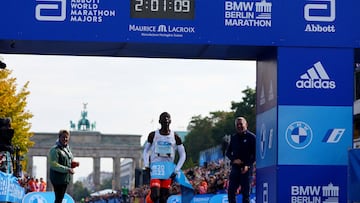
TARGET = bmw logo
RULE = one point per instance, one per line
(263, 141)
(298, 135)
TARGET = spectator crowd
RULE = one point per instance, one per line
(212, 178)
(32, 184)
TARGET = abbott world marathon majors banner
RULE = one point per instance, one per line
(326, 23)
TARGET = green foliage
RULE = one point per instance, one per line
(12, 104)
(80, 191)
(209, 131)
(199, 137)
(247, 108)
(189, 163)
(223, 125)
(106, 184)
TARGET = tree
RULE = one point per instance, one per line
(13, 105)
(209, 131)
(199, 137)
(80, 191)
(247, 108)
(106, 184)
(189, 163)
(223, 123)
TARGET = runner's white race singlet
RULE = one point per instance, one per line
(163, 147)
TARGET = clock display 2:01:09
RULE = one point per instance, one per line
(168, 9)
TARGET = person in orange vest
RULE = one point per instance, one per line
(42, 185)
(32, 185)
(37, 185)
(148, 198)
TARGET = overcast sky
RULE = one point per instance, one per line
(127, 95)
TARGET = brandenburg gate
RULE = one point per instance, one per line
(87, 143)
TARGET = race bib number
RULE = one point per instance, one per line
(163, 148)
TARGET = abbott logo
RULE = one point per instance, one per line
(311, 10)
(315, 78)
(50, 10)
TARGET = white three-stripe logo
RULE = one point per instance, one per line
(315, 78)
(316, 72)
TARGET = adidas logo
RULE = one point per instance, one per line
(315, 78)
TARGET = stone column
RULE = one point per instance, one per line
(137, 161)
(48, 183)
(96, 170)
(135, 164)
(116, 173)
(30, 166)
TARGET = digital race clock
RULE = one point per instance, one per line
(167, 9)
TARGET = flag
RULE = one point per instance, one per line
(187, 190)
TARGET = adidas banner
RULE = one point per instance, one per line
(315, 76)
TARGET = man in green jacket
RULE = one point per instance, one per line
(61, 165)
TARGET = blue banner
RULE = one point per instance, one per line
(326, 23)
(354, 175)
(10, 189)
(312, 183)
(302, 183)
(315, 76)
(267, 138)
(203, 198)
(223, 198)
(306, 131)
(266, 84)
(213, 154)
(44, 197)
(267, 184)
(174, 198)
(319, 22)
(187, 190)
(210, 198)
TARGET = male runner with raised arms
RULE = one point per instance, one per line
(159, 154)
